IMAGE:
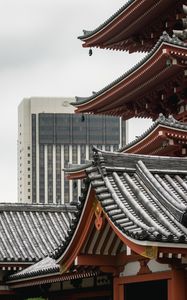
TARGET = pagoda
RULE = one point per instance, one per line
(128, 237)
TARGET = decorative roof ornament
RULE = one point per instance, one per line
(161, 118)
(172, 119)
(182, 34)
(86, 32)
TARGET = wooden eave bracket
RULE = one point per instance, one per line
(76, 175)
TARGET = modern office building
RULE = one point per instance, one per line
(50, 136)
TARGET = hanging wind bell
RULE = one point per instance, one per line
(90, 52)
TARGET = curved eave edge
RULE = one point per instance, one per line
(89, 33)
(73, 168)
(169, 122)
(34, 275)
(62, 258)
(59, 252)
(140, 247)
(62, 250)
(165, 39)
(57, 277)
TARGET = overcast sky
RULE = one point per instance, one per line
(40, 55)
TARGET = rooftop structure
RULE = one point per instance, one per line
(136, 26)
(129, 234)
(157, 84)
(166, 136)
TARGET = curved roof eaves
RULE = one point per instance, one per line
(88, 33)
(165, 38)
(44, 266)
(124, 201)
(58, 252)
(162, 120)
(76, 167)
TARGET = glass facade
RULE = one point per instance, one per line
(78, 129)
(62, 138)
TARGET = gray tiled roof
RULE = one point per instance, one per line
(144, 196)
(30, 232)
(45, 266)
(164, 39)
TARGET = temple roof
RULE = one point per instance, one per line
(35, 274)
(136, 26)
(154, 85)
(30, 232)
(144, 196)
(45, 266)
(166, 136)
(142, 201)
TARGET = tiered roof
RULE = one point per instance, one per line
(155, 85)
(136, 26)
(141, 206)
(166, 136)
(133, 206)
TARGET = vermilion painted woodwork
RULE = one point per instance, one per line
(178, 285)
(77, 241)
(76, 175)
(137, 27)
(144, 92)
(95, 260)
(161, 141)
(139, 249)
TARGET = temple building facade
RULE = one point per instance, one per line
(127, 237)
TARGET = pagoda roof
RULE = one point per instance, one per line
(147, 89)
(30, 232)
(166, 136)
(129, 201)
(136, 26)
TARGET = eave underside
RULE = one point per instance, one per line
(163, 141)
(157, 86)
(138, 27)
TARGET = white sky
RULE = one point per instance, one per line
(40, 55)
